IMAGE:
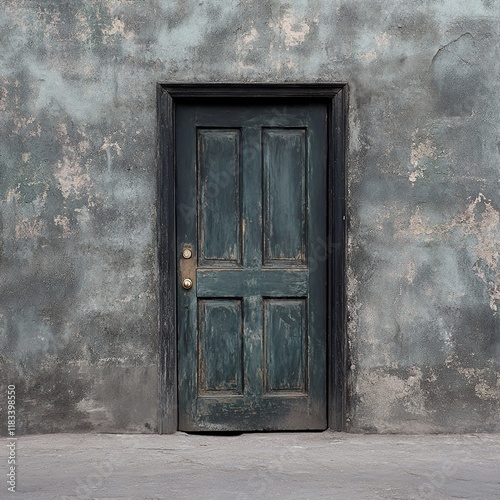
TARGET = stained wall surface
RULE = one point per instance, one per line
(78, 251)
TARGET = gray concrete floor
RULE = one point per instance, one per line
(257, 466)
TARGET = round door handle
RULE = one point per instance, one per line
(187, 284)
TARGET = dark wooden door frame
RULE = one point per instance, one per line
(335, 96)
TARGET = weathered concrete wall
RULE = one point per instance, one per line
(78, 300)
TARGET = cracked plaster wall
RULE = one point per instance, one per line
(78, 303)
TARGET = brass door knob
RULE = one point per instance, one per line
(187, 284)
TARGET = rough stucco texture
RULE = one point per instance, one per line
(78, 266)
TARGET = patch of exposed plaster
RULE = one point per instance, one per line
(250, 37)
(293, 30)
(28, 216)
(71, 170)
(84, 32)
(481, 221)
(4, 93)
(29, 229)
(421, 150)
(244, 46)
(22, 122)
(13, 195)
(485, 224)
(27, 125)
(484, 387)
(412, 272)
(384, 393)
(485, 391)
(117, 28)
(108, 147)
(62, 221)
(416, 174)
(73, 181)
(485, 227)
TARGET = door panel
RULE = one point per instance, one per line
(219, 205)
(218, 371)
(251, 208)
(284, 153)
(285, 346)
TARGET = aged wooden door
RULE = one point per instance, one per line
(251, 223)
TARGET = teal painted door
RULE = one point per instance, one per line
(251, 232)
